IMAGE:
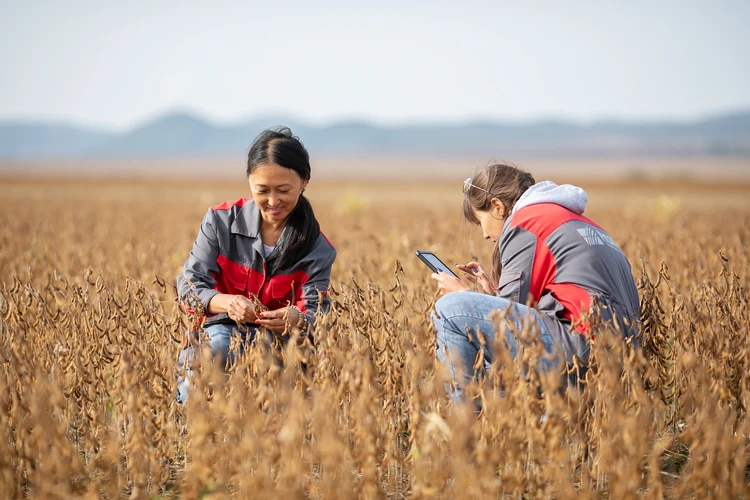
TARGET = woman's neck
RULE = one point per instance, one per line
(270, 232)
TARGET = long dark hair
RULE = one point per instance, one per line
(504, 182)
(278, 145)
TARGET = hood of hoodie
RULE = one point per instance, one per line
(571, 197)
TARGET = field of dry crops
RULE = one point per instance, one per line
(89, 336)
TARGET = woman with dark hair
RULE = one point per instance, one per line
(551, 265)
(260, 261)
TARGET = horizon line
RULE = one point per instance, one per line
(361, 120)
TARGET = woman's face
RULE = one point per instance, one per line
(276, 191)
(491, 221)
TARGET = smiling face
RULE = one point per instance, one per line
(276, 191)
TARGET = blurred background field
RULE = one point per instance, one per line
(153, 221)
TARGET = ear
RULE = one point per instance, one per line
(304, 185)
(497, 208)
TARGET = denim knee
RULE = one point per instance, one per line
(448, 306)
(450, 303)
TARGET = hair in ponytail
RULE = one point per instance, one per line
(280, 146)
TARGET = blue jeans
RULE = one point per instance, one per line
(458, 312)
(219, 340)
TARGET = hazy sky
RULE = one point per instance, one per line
(116, 64)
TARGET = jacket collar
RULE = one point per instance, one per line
(247, 222)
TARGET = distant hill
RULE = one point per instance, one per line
(182, 135)
(39, 140)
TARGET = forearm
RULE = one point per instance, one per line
(220, 303)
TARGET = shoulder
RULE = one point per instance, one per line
(323, 250)
(324, 241)
(226, 214)
(231, 205)
(544, 218)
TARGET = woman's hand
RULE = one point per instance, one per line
(277, 321)
(447, 283)
(241, 309)
(478, 276)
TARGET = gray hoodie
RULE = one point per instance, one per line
(571, 197)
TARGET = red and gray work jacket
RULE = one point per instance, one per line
(561, 260)
(228, 257)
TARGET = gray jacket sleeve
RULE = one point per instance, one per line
(517, 249)
(318, 282)
(201, 265)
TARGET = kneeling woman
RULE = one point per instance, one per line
(260, 261)
(546, 252)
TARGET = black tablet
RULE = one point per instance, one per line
(434, 263)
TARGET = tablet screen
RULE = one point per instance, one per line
(436, 263)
